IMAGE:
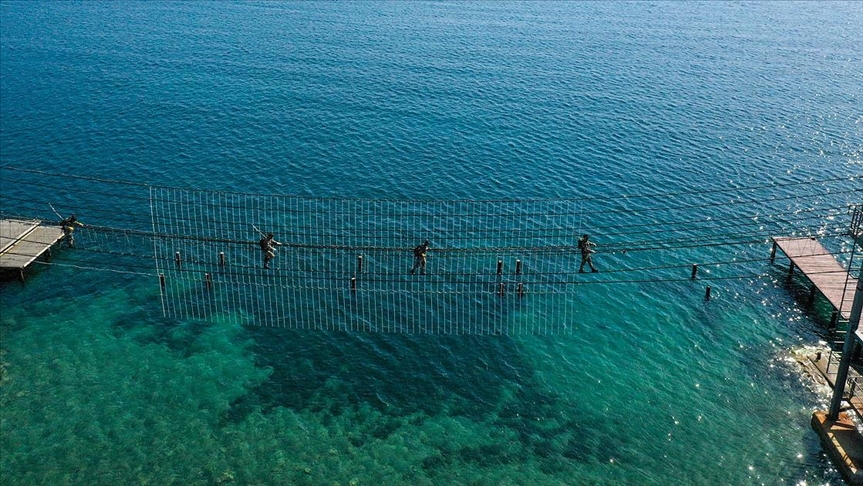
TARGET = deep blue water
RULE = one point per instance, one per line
(745, 117)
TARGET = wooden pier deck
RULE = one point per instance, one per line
(23, 241)
(821, 268)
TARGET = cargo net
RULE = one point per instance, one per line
(492, 267)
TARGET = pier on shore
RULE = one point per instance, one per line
(840, 438)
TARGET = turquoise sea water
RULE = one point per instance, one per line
(599, 103)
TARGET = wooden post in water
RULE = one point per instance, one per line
(707, 293)
(694, 270)
(520, 290)
(790, 272)
(177, 259)
(773, 253)
(502, 287)
(354, 284)
(812, 291)
(162, 280)
(221, 259)
(209, 281)
(518, 267)
(359, 264)
(500, 267)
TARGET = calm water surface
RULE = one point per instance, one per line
(421, 101)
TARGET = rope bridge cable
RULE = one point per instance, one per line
(634, 245)
(694, 241)
(133, 239)
(241, 271)
(657, 227)
(345, 262)
(95, 268)
(125, 237)
(237, 270)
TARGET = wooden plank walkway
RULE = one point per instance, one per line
(822, 269)
(23, 241)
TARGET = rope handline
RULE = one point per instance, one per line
(83, 267)
(488, 272)
(538, 234)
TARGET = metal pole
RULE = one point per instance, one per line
(847, 349)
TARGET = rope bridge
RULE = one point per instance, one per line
(499, 266)
(344, 263)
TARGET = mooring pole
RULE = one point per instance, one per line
(847, 351)
(773, 253)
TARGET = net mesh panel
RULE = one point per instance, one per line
(494, 267)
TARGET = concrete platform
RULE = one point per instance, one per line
(843, 443)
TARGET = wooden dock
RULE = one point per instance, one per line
(23, 241)
(821, 268)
